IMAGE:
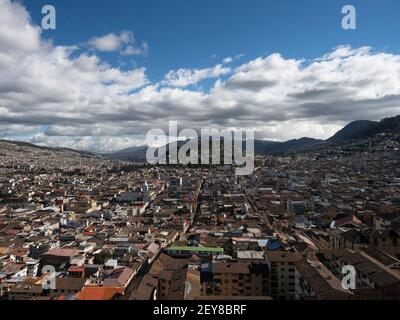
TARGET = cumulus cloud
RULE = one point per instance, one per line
(17, 33)
(124, 42)
(58, 95)
(186, 77)
(131, 50)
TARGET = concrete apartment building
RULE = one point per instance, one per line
(283, 274)
(235, 278)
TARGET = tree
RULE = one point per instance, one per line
(102, 257)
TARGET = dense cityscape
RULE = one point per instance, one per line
(117, 230)
(189, 159)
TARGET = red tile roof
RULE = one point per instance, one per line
(99, 293)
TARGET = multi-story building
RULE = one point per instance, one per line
(235, 278)
(284, 278)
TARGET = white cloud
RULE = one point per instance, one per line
(17, 33)
(123, 42)
(228, 60)
(103, 144)
(136, 51)
(186, 77)
(110, 42)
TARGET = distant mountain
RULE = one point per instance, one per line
(354, 130)
(34, 146)
(366, 129)
(268, 147)
(387, 125)
(130, 154)
(261, 147)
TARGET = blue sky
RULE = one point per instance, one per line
(195, 34)
(113, 70)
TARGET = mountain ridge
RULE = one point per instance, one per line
(46, 148)
(355, 130)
